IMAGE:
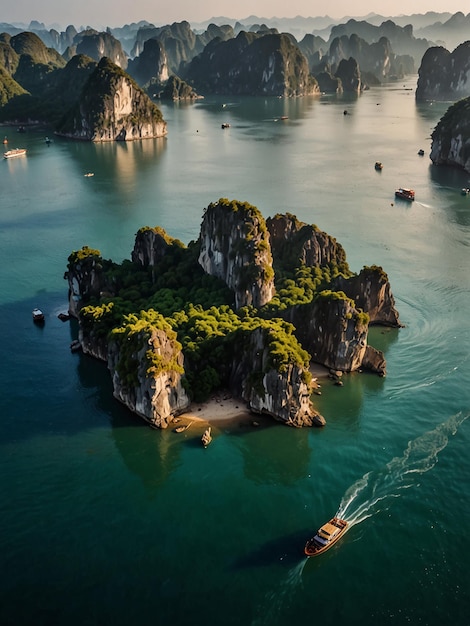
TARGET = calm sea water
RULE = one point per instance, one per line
(106, 521)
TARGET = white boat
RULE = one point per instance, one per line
(16, 152)
(38, 315)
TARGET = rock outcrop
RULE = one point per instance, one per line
(112, 107)
(147, 367)
(252, 64)
(444, 75)
(177, 89)
(332, 330)
(151, 245)
(286, 395)
(451, 137)
(295, 243)
(151, 66)
(98, 45)
(349, 74)
(235, 248)
(370, 290)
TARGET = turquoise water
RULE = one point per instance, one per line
(107, 521)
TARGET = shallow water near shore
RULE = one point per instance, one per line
(105, 520)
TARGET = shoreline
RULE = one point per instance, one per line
(223, 409)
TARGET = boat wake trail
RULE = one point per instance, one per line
(363, 497)
(281, 598)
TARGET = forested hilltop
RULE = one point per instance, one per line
(248, 307)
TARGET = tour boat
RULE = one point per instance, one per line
(16, 152)
(405, 194)
(38, 315)
(326, 536)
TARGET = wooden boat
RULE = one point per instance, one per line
(326, 536)
(405, 194)
(378, 166)
(206, 437)
(16, 152)
(38, 315)
(181, 429)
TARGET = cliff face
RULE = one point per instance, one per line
(295, 243)
(332, 330)
(350, 75)
(252, 64)
(151, 245)
(113, 107)
(235, 247)
(177, 89)
(99, 45)
(84, 276)
(151, 64)
(147, 373)
(370, 290)
(451, 137)
(285, 396)
(444, 75)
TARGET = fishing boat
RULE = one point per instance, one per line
(326, 536)
(405, 194)
(38, 315)
(206, 437)
(16, 152)
(181, 429)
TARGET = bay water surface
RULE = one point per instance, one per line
(104, 520)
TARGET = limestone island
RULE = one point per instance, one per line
(248, 307)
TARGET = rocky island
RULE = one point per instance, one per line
(451, 137)
(247, 307)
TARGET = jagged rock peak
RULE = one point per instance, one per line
(444, 75)
(147, 366)
(234, 246)
(113, 107)
(370, 290)
(451, 137)
(293, 242)
(151, 245)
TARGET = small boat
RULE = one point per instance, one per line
(206, 437)
(326, 536)
(16, 152)
(378, 166)
(405, 194)
(47, 140)
(88, 174)
(421, 152)
(38, 315)
(465, 191)
(283, 117)
(181, 429)
(225, 125)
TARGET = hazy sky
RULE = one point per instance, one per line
(117, 13)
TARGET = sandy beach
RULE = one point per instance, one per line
(222, 409)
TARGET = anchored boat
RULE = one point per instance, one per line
(326, 536)
(16, 152)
